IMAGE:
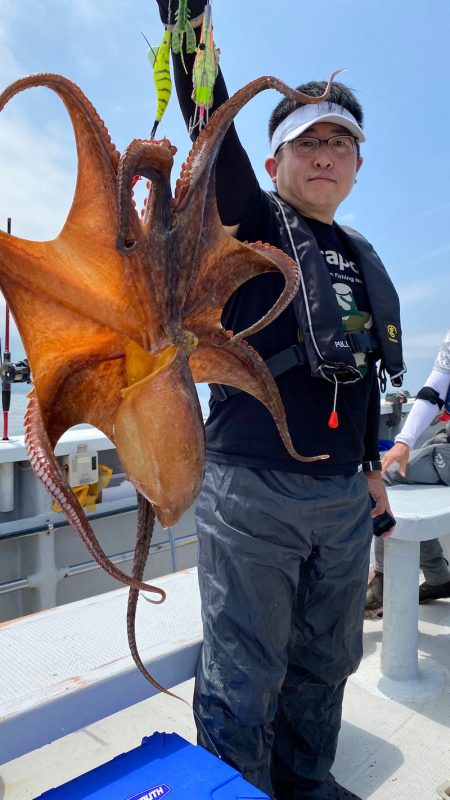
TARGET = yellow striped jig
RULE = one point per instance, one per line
(159, 58)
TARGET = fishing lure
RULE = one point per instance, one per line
(159, 58)
(181, 30)
(204, 72)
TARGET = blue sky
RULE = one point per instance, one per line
(397, 59)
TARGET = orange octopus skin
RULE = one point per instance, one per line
(120, 316)
(173, 446)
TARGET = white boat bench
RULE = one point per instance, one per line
(422, 513)
(68, 667)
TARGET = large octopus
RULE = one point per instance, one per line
(120, 316)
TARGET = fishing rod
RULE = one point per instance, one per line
(10, 373)
(6, 386)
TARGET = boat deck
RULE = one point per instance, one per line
(388, 750)
(391, 750)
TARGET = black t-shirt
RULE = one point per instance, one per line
(240, 430)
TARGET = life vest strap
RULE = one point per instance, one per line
(281, 362)
(359, 341)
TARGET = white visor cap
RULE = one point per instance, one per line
(305, 116)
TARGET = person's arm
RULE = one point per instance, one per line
(371, 460)
(235, 178)
(419, 418)
(371, 450)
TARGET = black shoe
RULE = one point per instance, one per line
(374, 594)
(337, 792)
(428, 592)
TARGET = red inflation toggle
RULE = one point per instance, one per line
(333, 422)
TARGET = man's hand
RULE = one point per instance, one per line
(195, 7)
(377, 489)
(399, 453)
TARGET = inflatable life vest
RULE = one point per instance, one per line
(329, 351)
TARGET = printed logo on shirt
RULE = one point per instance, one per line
(346, 270)
(152, 794)
(352, 319)
(392, 333)
(347, 304)
(336, 260)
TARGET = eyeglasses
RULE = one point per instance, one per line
(305, 146)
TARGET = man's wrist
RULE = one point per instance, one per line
(372, 466)
(195, 12)
(403, 442)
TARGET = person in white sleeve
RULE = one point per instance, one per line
(429, 401)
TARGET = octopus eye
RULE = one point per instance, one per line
(126, 246)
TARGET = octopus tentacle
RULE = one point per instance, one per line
(290, 271)
(146, 521)
(236, 363)
(89, 230)
(45, 466)
(150, 244)
(149, 159)
(245, 261)
(73, 98)
(98, 158)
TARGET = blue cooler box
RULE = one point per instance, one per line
(164, 764)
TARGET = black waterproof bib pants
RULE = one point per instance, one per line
(283, 564)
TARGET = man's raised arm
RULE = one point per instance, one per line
(235, 178)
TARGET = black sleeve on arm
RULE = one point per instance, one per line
(371, 452)
(195, 8)
(235, 178)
